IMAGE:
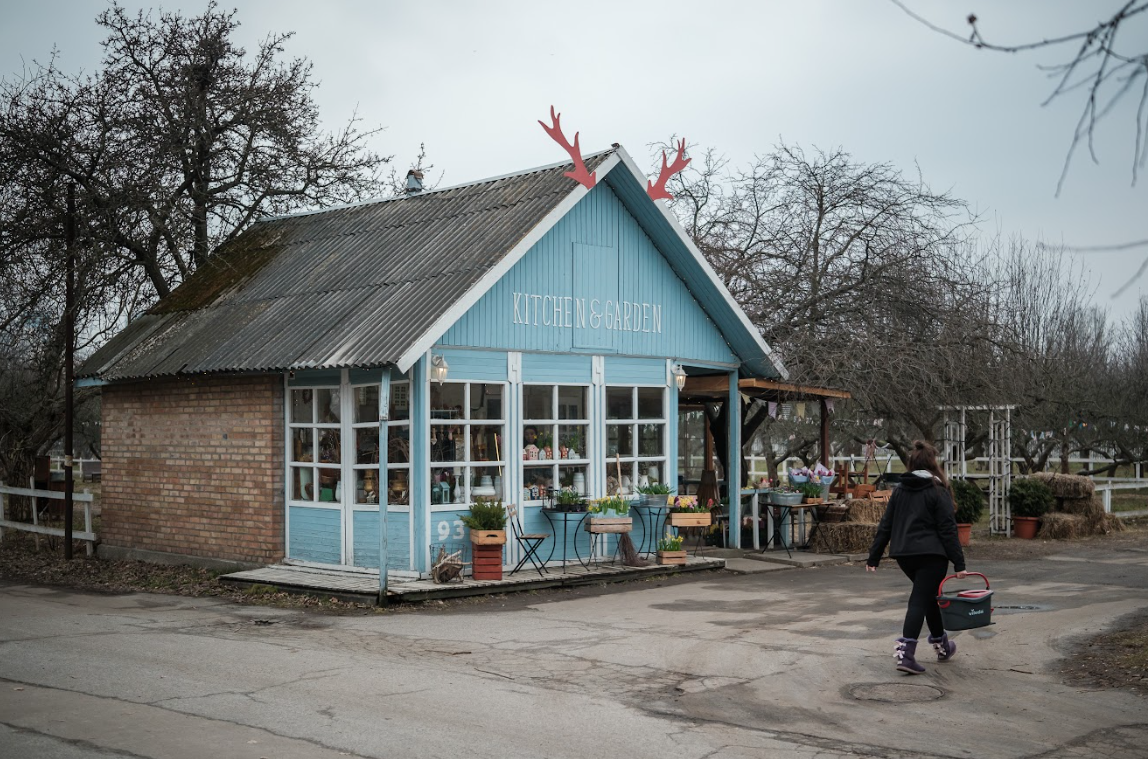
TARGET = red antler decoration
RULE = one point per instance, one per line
(580, 174)
(658, 189)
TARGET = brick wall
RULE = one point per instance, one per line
(195, 467)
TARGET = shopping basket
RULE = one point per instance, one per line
(966, 609)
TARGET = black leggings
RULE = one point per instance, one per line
(926, 572)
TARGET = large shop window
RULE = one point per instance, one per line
(365, 428)
(635, 437)
(555, 439)
(466, 434)
(316, 445)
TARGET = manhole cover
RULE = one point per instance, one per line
(895, 693)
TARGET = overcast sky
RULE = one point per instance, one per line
(472, 79)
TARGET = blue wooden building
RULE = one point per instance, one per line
(496, 339)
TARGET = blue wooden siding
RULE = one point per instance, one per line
(366, 546)
(635, 371)
(546, 367)
(476, 366)
(596, 253)
(316, 535)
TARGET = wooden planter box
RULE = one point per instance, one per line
(487, 561)
(671, 557)
(488, 537)
(691, 519)
(812, 501)
(602, 525)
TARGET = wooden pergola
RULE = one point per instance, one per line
(708, 389)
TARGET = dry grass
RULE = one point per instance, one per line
(844, 537)
(1114, 659)
(1057, 526)
(864, 511)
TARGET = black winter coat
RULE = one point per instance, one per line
(919, 520)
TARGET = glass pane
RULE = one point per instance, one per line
(367, 403)
(398, 488)
(327, 404)
(330, 486)
(619, 403)
(572, 478)
(624, 485)
(486, 482)
(303, 444)
(447, 485)
(572, 441)
(545, 442)
(572, 403)
(652, 472)
(486, 443)
(538, 402)
(400, 401)
(302, 483)
(619, 440)
(367, 446)
(485, 401)
(367, 486)
(650, 403)
(446, 400)
(329, 450)
(650, 439)
(399, 444)
(536, 482)
(302, 407)
(446, 443)
(530, 448)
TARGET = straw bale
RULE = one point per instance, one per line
(1103, 524)
(1058, 526)
(864, 510)
(1090, 507)
(844, 537)
(1067, 485)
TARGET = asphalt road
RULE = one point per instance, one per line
(784, 664)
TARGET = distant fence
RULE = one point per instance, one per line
(84, 499)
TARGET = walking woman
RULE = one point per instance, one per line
(921, 527)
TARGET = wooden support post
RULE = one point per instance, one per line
(826, 459)
(733, 473)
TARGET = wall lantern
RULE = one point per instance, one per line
(679, 376)
(438, 369)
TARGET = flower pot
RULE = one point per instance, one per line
(1025, 527)
(785, 499)
(691, 518)
(671, 557)
(812, 500)
(602, 525)
(965, 533)
(651, 500)
(797, 479)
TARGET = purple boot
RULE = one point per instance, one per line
(906, 653)
(944, 647)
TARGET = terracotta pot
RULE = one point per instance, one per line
(965, 533)
(1025, 527)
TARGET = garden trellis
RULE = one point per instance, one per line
(999, 447)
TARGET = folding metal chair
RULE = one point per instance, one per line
(528, 542)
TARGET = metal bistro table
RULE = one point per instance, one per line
(566, 517)
(651, 517)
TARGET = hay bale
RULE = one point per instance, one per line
(864, 510)
(1105, 524)
(1059, 526)
(1067, 485)
(1091, 507)
(844, 537)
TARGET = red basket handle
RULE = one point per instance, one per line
(941, 588)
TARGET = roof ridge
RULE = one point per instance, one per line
(424, 193)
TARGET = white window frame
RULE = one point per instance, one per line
(464, 466)
(586, 423)
(631, 462)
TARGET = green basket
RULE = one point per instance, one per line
(965, 609)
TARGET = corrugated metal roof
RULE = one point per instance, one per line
(353, 286)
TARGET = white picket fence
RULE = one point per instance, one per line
(84, 499)
(1105, 487)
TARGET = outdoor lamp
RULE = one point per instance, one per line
(438, 369)
(679, 376)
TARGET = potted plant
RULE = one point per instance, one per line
(785, 496)
(569, 500)
(969, 503)
(611, 514)
(798, 476)
(573, 444)
(1029, 500)
(685, 511)
(670, 550)
(487, 524)
(824, 477)
(810, 492)
(653, 494)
